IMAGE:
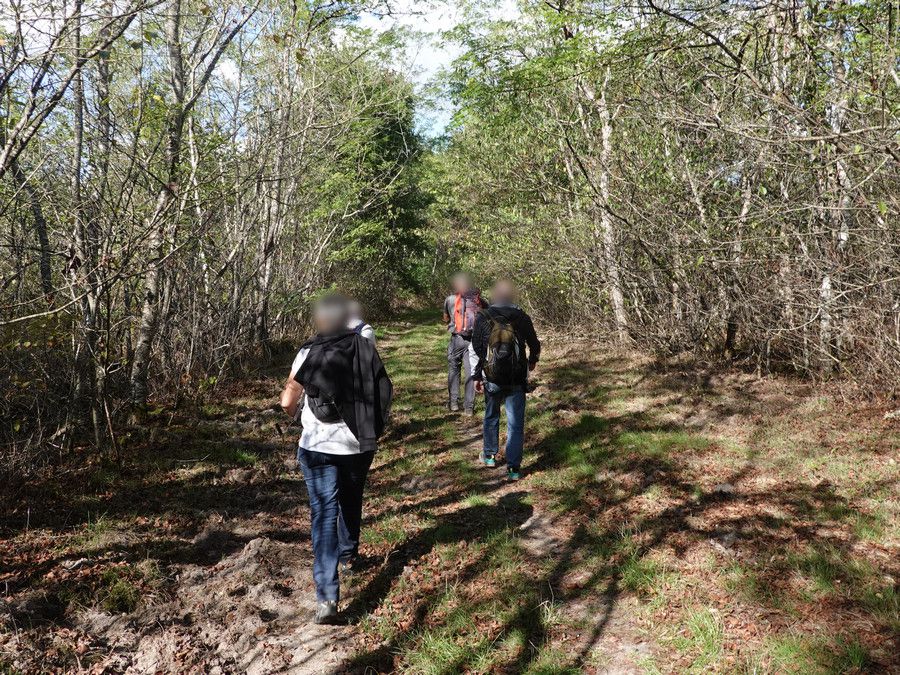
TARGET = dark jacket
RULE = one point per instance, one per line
(525, 334)
(345, 368)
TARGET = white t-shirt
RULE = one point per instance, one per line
(332, 438)
(366, 331)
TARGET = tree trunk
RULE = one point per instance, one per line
(157, 223)
(607, 233)
(830, 336)
(83, 263)
(40, 228)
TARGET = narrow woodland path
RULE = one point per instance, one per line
(671, 519)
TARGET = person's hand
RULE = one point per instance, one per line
(532, 366)
(479, 386)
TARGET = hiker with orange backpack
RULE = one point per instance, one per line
(460, 310)
(507, 348)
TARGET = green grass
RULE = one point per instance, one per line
(815, 655)
(661, 443)
(118, 593)
(119, 589)
(870, 527)
(387, 531)
(821, 567)
(642, 575)
(476, 500)
(230, 455)
(212, 411)
(627, 489)
(93, 534)
(702, 638)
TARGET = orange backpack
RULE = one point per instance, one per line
(465, 309)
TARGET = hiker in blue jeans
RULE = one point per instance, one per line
(506, 348)
(341, 393)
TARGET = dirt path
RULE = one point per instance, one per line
(231, 589)
(670, 520)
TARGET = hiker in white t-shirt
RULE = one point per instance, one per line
(342, 394)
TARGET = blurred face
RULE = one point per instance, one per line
(504, 291)
(461, 283)
(330, 316)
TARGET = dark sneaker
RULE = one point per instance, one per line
(326, 613)
(488, 460)
(513, 473)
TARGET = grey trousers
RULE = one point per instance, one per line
(458, 356)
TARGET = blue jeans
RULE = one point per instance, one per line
(514, 399)
(335, 484)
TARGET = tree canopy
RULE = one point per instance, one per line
(178, 181)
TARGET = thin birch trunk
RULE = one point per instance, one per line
(157, 222)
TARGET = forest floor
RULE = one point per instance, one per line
(671, 519)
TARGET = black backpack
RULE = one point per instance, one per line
(503, 364)
(325, 411)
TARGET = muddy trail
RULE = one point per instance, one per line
(671, 519)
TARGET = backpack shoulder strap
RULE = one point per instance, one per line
(497, 317)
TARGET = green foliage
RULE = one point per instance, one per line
(384, 241)
(119, 594)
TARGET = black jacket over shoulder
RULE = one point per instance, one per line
(345, 368)
(525, 334)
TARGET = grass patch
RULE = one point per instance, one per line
(661, 443)
(822, 567)
(231, 455)
(816, 655)
(118, 593)
(212, 411)
(94, 533)
(476, 500)
(117, 590)
(387, 531)
(702, 638)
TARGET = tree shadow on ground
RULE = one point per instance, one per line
(472, 525)
(632, 486)
(615, 470)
